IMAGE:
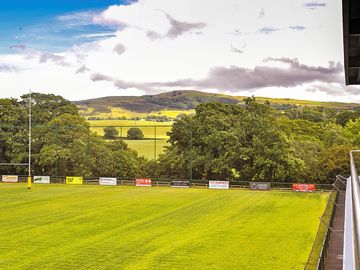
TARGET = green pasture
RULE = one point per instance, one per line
(99, 227)
(89, 111)
(148, 127)
(146, 148)
(112, 112)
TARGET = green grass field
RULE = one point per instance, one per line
(146, 126)
(120, 112)
(94, 227)
(146, 148)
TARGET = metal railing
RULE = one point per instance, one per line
(320, 246)
(352, 220)
(325, 244)
(349, 243)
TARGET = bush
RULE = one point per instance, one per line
(135, 134)
(110, 133)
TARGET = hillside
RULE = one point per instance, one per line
(139, 106)
(176, 100)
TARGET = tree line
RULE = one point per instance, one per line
(251, 141)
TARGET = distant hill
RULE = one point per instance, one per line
(178, 100)
(185, 100)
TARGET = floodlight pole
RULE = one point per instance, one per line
(29, 163)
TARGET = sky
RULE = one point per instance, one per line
(93, 48)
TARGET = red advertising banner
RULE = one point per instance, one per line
(303, 187)
(143, 182)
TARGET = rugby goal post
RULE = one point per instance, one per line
(29, 149)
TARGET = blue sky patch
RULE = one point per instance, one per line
(38, 24)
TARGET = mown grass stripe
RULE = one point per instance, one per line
(96, 227)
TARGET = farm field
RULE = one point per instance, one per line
(120, 112)
(146, 126)
(145, 148)
(99, 227)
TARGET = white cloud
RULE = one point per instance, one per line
(97, 35)
(160, 42)
(76, 18)
(314, 5)
(119, 49)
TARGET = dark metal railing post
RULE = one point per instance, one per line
(154, 142)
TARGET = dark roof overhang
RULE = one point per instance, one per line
(351, 30)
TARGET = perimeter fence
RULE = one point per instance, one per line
(319, 251)
(193, 183)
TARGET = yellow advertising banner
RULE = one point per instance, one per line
(74, 180)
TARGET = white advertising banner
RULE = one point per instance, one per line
(219, 184)
(106, 181)
(42, 179)
(10, 178)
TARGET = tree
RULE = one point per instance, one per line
(135, 134)
(335, 160)
(308, 150)
(230, 138)
(46, 107)
(343, 117)
(318, 114)
(62, 143)
(251, 141)
(352, 131)
(110, 133)
(13, 134)
(71, 149)
(66, 146)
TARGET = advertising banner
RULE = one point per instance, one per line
(303, 187)
(180, 184)
(143, 182)
(107, 181)
(219, 184)
(10, 178)
(42, 179)
(74, 180)
(259, 185)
